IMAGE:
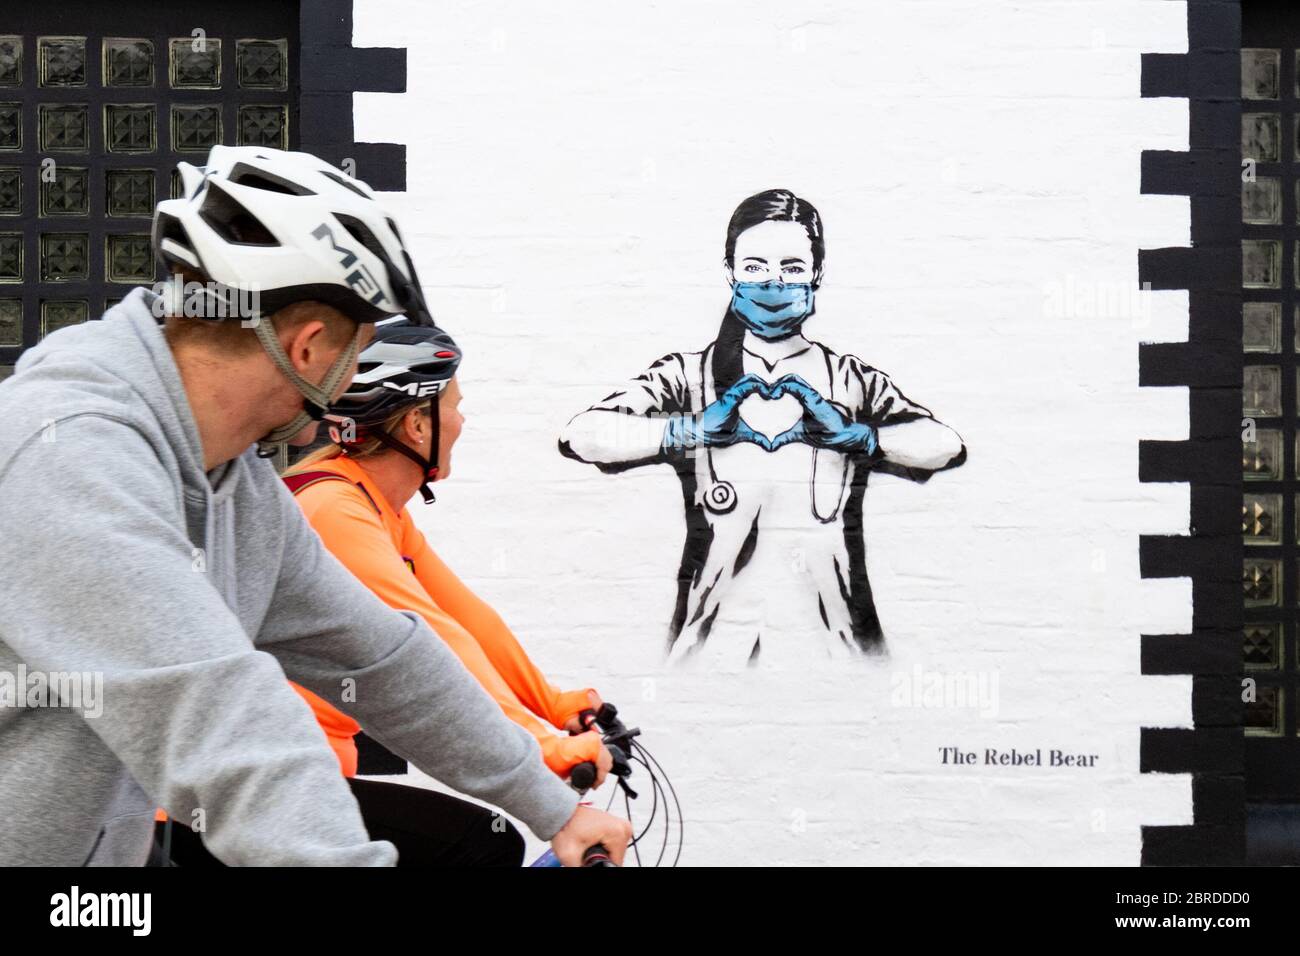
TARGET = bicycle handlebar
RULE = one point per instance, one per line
(593, 856)
(597, 856)
(617, 739)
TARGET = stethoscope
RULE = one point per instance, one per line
(720, 496)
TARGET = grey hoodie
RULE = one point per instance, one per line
(192, 595)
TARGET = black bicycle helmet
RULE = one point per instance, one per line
(405, 364)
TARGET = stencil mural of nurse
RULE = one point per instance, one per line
(773, 437)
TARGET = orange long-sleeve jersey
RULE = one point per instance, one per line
(386, 551)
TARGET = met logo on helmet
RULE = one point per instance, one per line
(416, 389)
(360, 278)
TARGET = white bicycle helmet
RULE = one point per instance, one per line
(290, 228)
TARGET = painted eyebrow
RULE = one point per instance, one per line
(754, 259)
(786, 262)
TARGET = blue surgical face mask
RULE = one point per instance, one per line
(772, 310)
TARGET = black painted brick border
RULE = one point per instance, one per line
(1210, 365)
(330, 70)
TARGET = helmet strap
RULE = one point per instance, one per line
(316, 398)
(429, 466)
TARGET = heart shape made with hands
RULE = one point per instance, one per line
(771, 416)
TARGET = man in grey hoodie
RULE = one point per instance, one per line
(151, 554)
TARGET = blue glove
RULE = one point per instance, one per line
(823, 425)
(720, 423)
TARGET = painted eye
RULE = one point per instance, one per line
(753, 268)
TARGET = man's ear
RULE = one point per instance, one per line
(305, 344)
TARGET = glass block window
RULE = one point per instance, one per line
(60, 313)
(1261, 74)
(263, 126)
(11, 61)
(65, 127)
(1261, 582)
(65, 257)
(1261, 201)
(195, 129)
(1264, 716)
(130, 128)
(128, 62)
(129, 258)
(11, 257)
(11, 191)
(1261, 459)
(130, 193)
(262, 64)
(196, 63)
(62, 61)
(1262, 391)
(1261, 263)
(1261, 519)
(1270, 344)
(11, 126)
(1261, 327)
(1263, 647)
(11, 321)
(1261, 137)
(98, 103)
(66, 192)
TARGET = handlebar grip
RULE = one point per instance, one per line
(597, 856)
(586, 719)
(583, 775)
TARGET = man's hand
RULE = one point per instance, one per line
(591, 827)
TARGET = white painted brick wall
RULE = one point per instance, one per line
(572, 166)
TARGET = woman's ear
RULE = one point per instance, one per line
(413, 425)
(728, 272)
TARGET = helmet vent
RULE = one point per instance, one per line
(362, 234)
(169, 227)
(244, 175)
(233, 222)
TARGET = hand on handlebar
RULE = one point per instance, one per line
(588, 775)
(591, 827)
(574, 724)
(604, 764)
(618, 744)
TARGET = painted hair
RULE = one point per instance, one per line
(772, 205)
(777, 205)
